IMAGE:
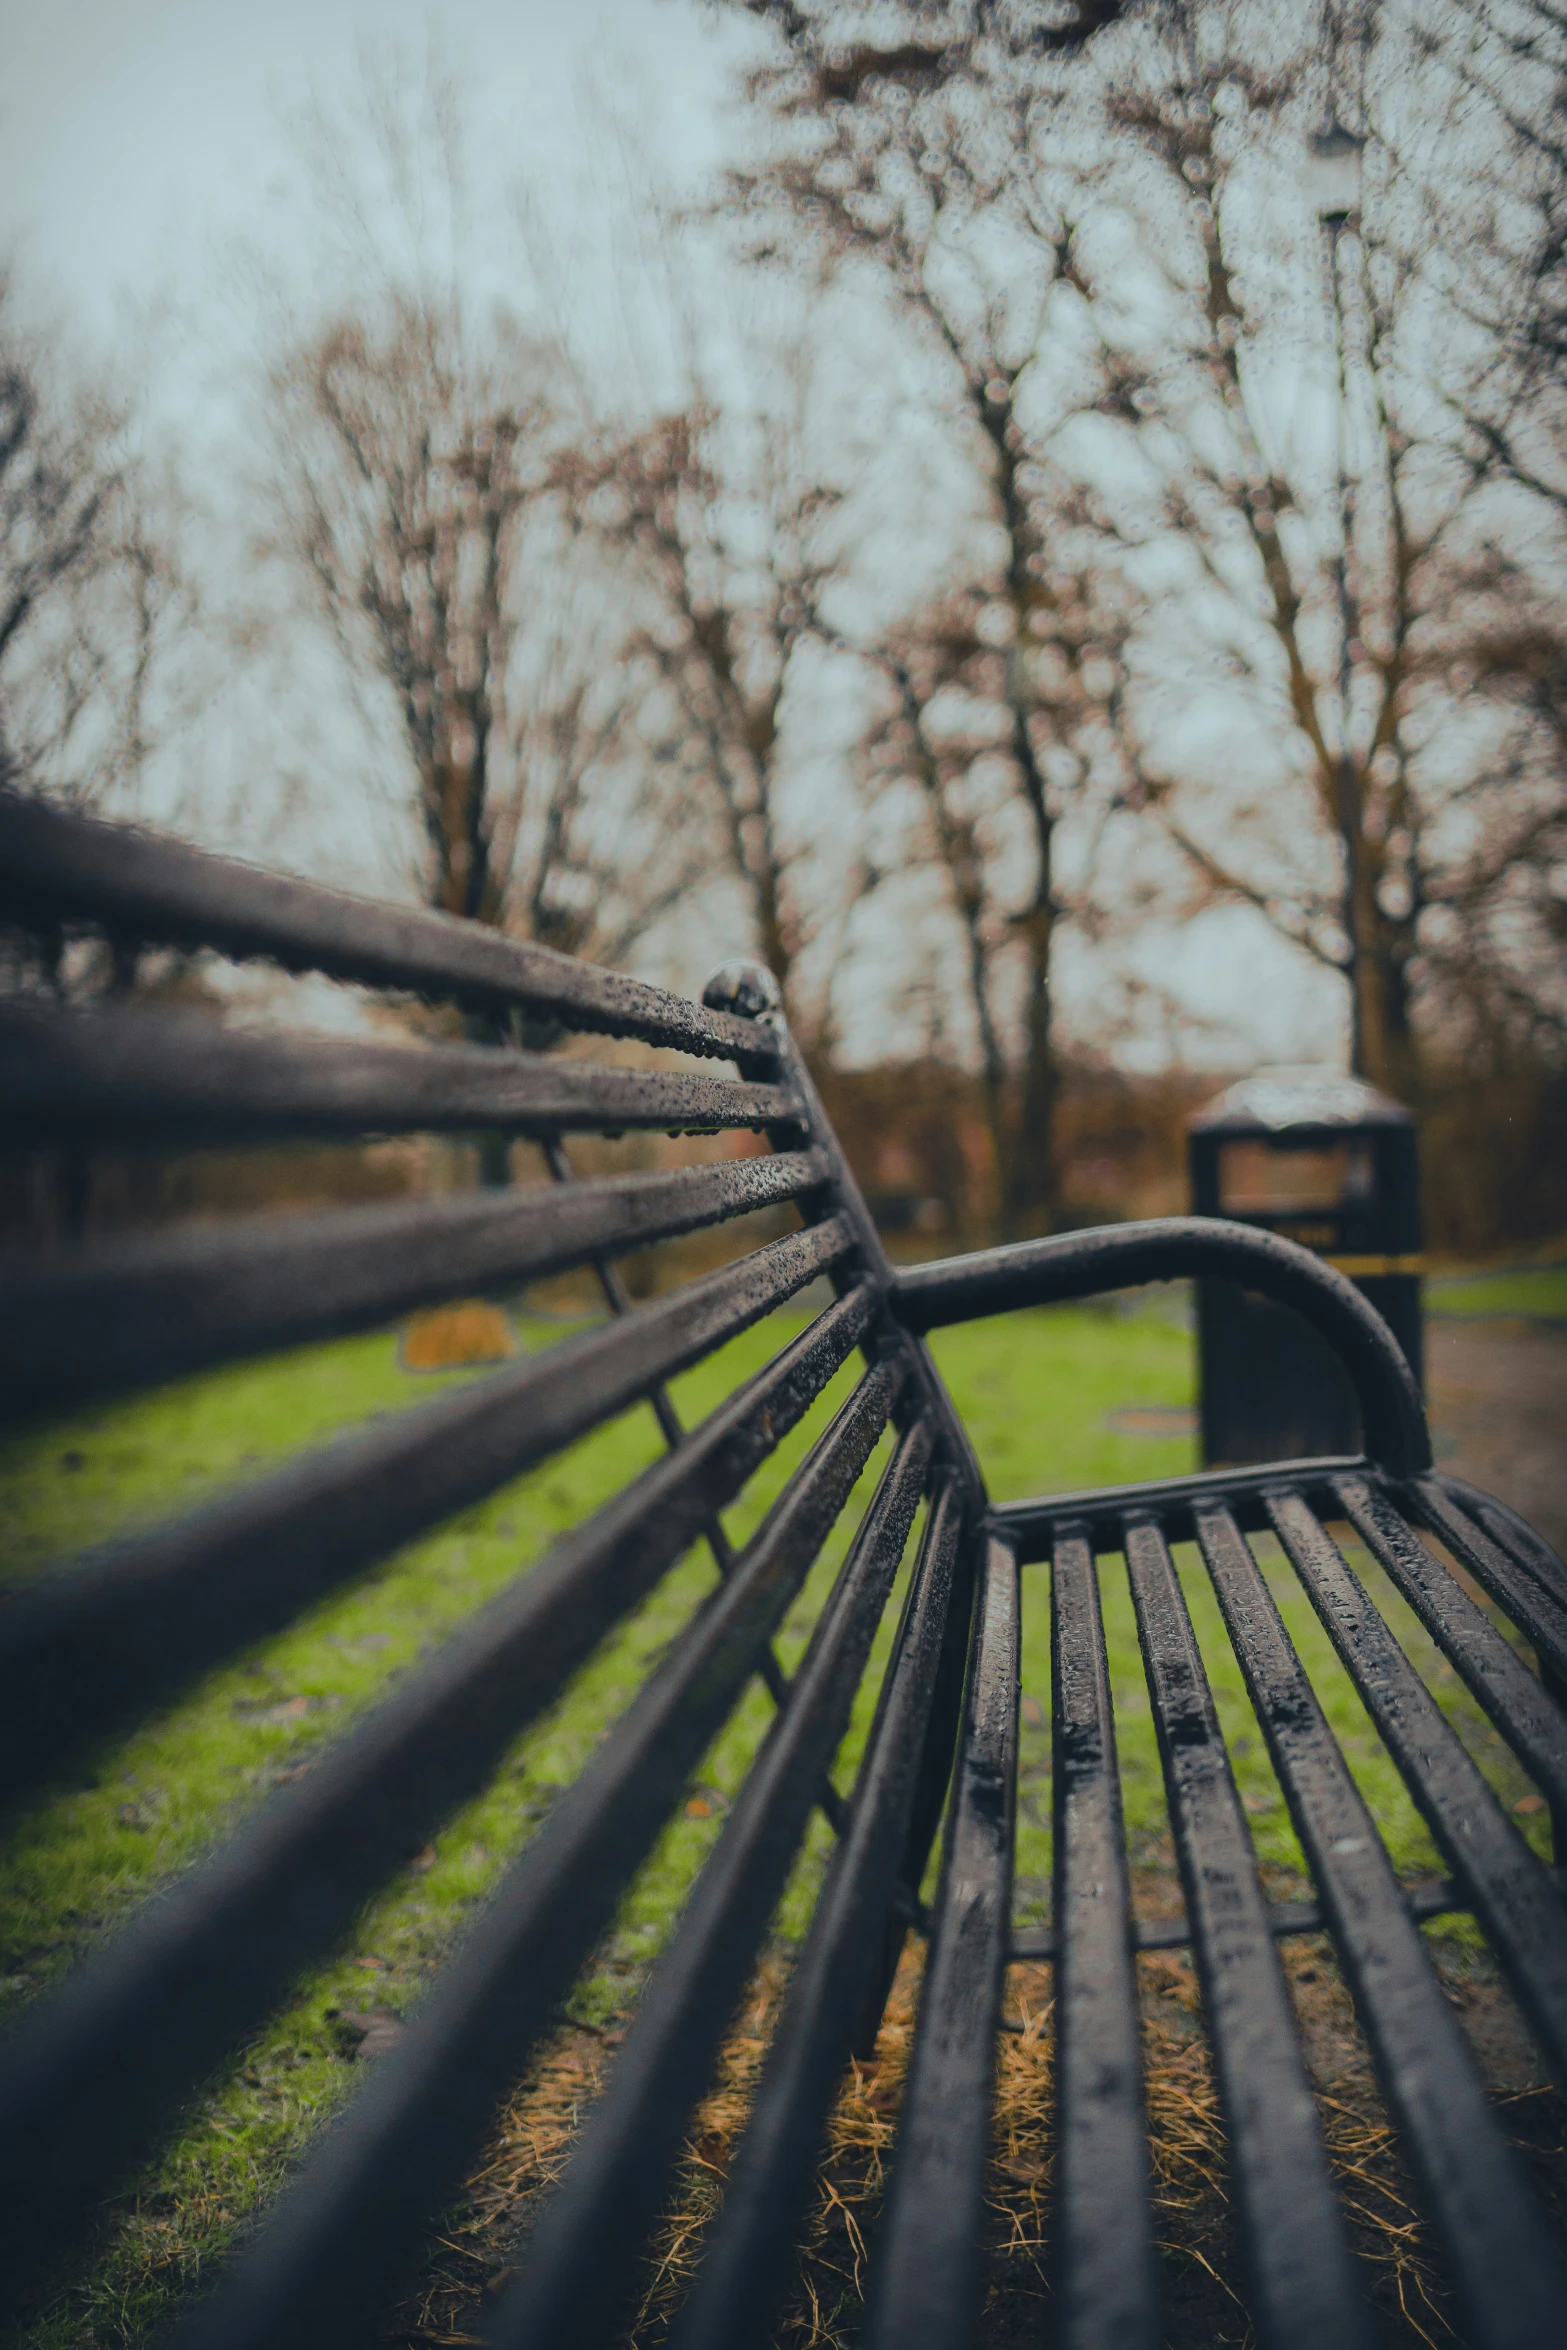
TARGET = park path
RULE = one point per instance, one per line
(1497, 1394)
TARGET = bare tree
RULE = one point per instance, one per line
(1373, 629)
(1504, 229)
(417, 491)
(1353, 613)
(922, 164)
(728, 532)
(949, 730)
(89, 582)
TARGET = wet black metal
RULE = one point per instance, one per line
(1169, 1248)
(1487, 2229)
(143, 1079)
(751, 989)
(347, 2231)
(585, 2244)
(94, 2073)
(618, 1298)
(1107, 2280)
(926, 2285)
(1509, 1691)
(57, 867)
(735, 2294)
(1518, 1542)
(112, 1319)
(88, 1649)
(1507, 1888)
(1507, 1530)
(1031, 1525)
(932, 1777)
(1437, 1898)
(1304, 2291)
(1534, 1608)
(751, 983)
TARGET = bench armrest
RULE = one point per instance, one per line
(1169, 1248)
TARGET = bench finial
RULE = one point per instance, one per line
(744, 986)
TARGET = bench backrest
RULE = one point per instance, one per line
(91, 1650)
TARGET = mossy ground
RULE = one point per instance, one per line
(1035, 1391)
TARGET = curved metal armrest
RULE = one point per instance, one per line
(1170, 1248)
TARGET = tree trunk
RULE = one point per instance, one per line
(1031, 1202)
(1387, 1052)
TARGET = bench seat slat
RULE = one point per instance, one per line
(201, 1965)
(928, 2257)
(1490, 2229)
(113, 1320)
(94, 1646)
(746, 2265)
(134, 1078)
(586, 2243)
(1304, 2289)
(59, 866)
(1512, 1534)
(1104, 2222)
(1033, 1526)
(1512, 1695)
(348, 2229)
(1534, 1607)
(1508, 1889)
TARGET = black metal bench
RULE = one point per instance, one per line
(98, 2069)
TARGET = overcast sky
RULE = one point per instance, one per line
(139, 137)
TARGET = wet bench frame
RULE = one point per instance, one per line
(97, 2071)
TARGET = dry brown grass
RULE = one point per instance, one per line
(1203, 2287)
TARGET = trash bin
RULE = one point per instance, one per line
(1331, 1163)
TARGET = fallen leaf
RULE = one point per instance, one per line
(445, 1336)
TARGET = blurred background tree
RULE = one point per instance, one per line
(90, 582)
(991, 541)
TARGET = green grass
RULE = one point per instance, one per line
(1537, 1295)
(1034, 1391)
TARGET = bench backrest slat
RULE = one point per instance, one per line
(105, 1641)
(61, 867)
(107, 1321)
(124, 1077)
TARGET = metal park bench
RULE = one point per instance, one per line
(98, 2070)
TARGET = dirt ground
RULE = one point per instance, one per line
(1202, 2284)
(1497, 1397)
